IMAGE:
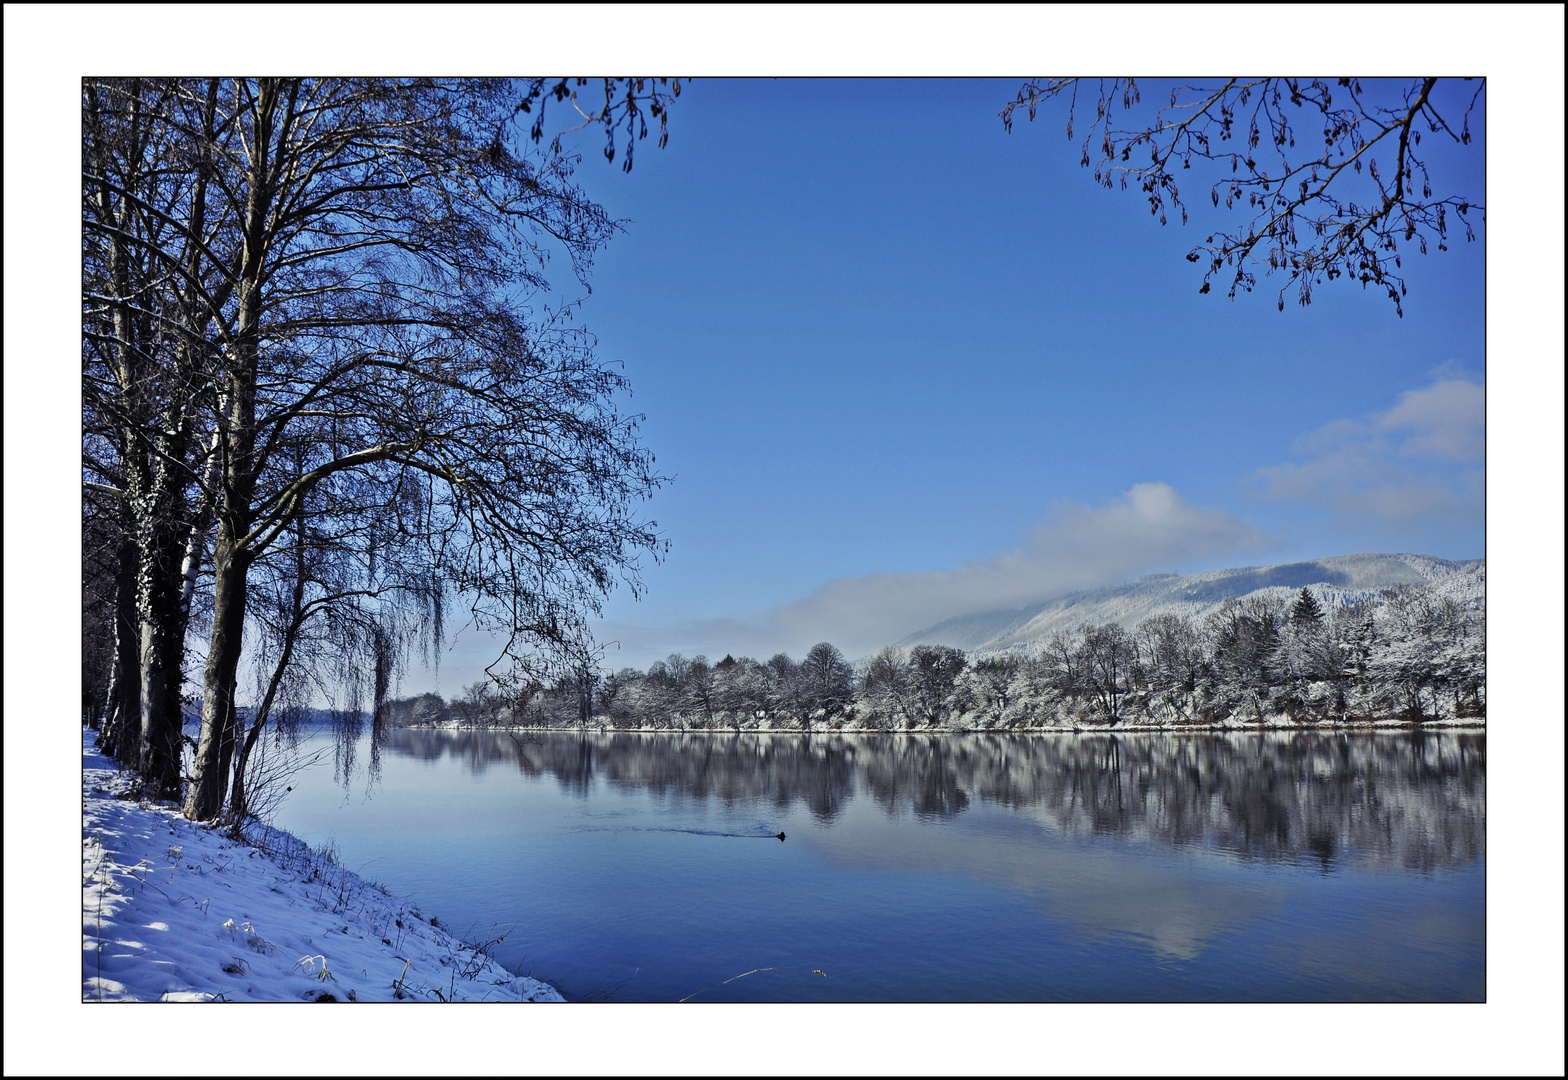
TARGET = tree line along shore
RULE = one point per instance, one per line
(1414, 657)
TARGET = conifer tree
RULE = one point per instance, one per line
(1306, 610)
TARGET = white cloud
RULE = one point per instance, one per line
(1446, 421)
(1423, 458)
(1150, 526)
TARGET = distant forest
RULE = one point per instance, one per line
(1416, 656)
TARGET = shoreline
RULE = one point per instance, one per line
(176, 911)
(1361, 727)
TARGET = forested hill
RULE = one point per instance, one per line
(1354, 639)
(1340, 580)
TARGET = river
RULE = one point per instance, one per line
(965, 867)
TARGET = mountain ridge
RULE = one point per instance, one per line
(1335, 581)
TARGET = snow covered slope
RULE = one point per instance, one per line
(1342, 579)
(172, 911)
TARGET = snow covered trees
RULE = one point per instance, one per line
(1108, 664)
(313, 324)
(1418, 655)
(885, 689)
(828, 678)
(933, 673)
(1433, 653)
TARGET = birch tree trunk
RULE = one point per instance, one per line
(209, 773)
(231, 557)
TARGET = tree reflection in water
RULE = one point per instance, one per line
(1415, 799)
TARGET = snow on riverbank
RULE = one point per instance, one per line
(172, 911)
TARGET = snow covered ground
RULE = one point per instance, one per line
(172, 911)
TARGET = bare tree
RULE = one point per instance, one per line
(1242, 639)
(1171, 652)
(784, 695)
(321, 618)
(696, 699)
(379, 331)
(1109, 655)
(1339, 205)
(1431, 648)
(620, 106)
(933, 672)
(993, 678)
(827, 677)
(1064, 659)
(145, 225)
(314, 323)
(740, 689)
(884, 685)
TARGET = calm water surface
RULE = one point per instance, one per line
(644, 867)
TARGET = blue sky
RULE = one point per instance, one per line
(895, 357)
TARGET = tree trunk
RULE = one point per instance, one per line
(209, 774)
(153, 450)
(130, 336)
(121, 737)
(160, 714)
(162, 635)
(239, 805)
(230, 739)
(170, 545)
(230, 559)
